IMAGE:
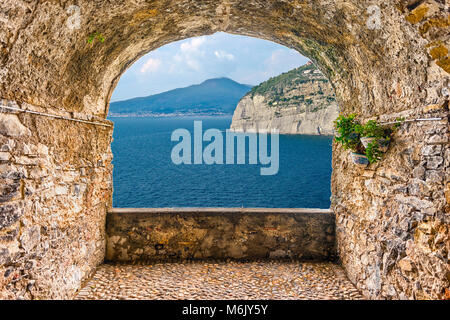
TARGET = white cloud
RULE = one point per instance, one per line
(193, 44)
(188, 55)
(192, 60)
(151, 65)
(220, 54)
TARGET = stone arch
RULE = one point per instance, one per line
(384, 59)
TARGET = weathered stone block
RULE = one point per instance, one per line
(434, 162)
(438, 139)
(11, 126)
(434, 176)
(9, 214)
(30, 238)
(419, 188)
(4, 256)
(431, 150)
(26, 161)
(4, 156)
(9, 171)
(61, 190)
(9, 189)
(419, 172)
(9, 235)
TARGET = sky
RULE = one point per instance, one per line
(191, 61)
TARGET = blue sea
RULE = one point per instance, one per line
(144, 175)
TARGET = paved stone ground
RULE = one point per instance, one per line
(220, 280)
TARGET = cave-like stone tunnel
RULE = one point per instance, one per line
(385, 59)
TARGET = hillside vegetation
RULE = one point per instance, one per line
(277, 89)
(300, 101)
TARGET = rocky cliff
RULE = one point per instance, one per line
(300, 101)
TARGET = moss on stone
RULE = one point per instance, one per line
(434, 23)
(439, 52)
(417, 14)
(444, 64)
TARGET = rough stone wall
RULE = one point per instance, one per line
(382, 57)
(55, 185)
(198, 233)
(393, 221)
(393, 218)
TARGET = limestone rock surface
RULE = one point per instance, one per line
(300, 101)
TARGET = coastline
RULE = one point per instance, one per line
(205, 116)
(167, 115)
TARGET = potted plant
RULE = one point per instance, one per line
(348, 135)
(373, 133)
(368, 142)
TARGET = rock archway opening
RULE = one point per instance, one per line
(202, 87)
(384, 59)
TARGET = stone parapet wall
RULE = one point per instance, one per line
(220, 233)
(55, 186)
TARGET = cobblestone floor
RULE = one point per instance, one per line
(220, 280)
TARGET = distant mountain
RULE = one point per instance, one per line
(213, 96)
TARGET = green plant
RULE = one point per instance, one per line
(95, 35)
(372, 129)
(347, 129)
(373, 152)
(350, 132)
